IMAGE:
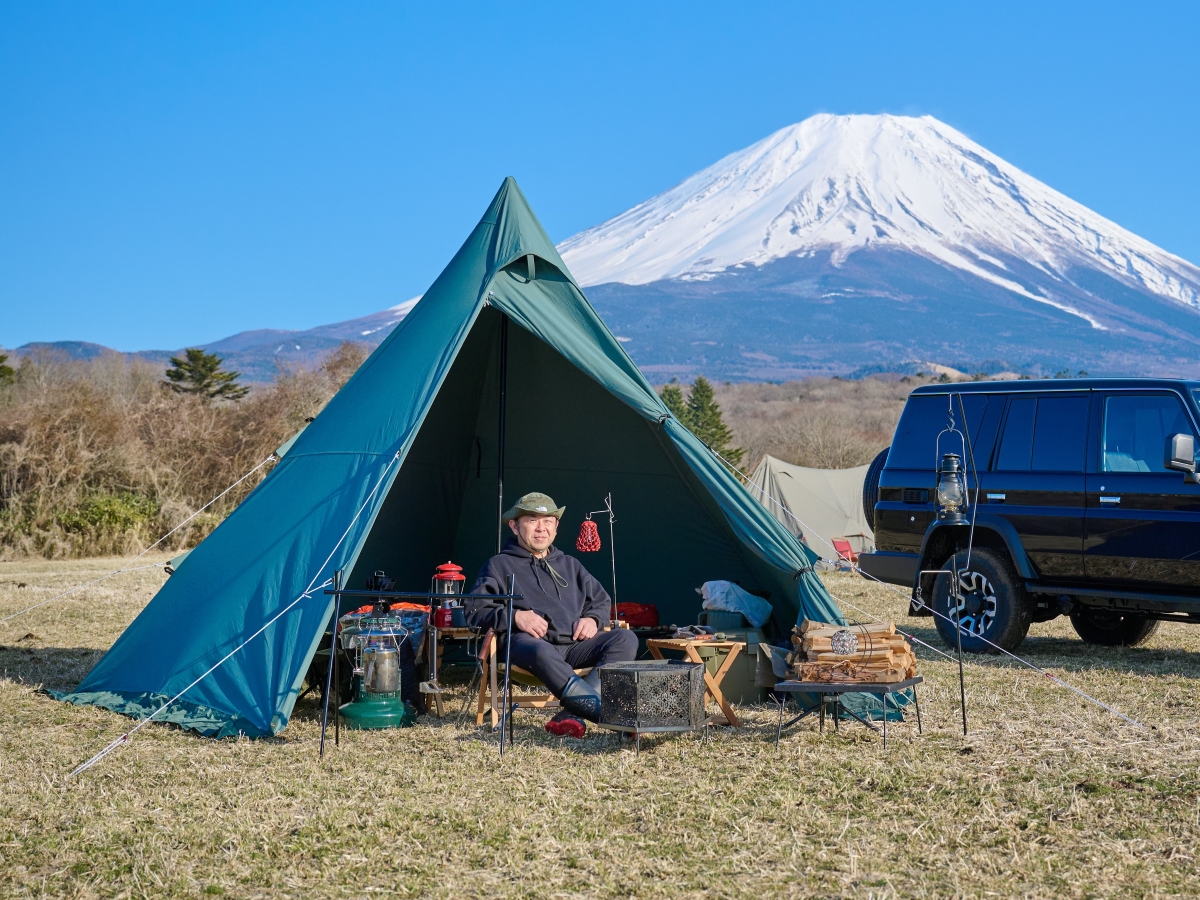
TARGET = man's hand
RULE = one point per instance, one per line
(531, 623)
(585, 628)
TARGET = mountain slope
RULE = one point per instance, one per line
(879, 217)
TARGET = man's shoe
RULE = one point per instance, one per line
(566, 725)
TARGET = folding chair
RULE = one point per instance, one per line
(491, 688)
(845, 552)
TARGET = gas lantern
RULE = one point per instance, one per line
(448, 582)
(951, 491)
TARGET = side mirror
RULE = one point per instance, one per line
(1181, 453)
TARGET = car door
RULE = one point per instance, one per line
(1143, 519)
(1036, 480)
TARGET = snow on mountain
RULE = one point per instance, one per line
(844, 184)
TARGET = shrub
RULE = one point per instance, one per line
(96, 458)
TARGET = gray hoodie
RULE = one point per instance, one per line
(558, 588)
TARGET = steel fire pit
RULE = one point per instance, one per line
(652, 695)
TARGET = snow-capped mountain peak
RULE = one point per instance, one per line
(849, 183)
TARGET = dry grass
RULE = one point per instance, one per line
(1047, 798)
(826, 423)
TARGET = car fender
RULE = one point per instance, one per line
(996, 524)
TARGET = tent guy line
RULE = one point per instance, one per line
(1050, 675)
(124, 738)
(128, 567)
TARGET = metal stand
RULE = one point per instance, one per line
(508, 716)
(329, 671)
(832, 694)
(612, 549)
(956, 596)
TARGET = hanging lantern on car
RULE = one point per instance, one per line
(951, 491)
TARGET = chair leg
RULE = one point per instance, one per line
(495, 691)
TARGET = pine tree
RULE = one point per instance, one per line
(201, 373)
(7, 374)
(672, 398)
(701, 413)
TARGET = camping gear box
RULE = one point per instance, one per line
(738, 686)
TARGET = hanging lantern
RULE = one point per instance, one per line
(589, 537)
(951, 491)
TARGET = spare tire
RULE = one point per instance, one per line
(871, 485)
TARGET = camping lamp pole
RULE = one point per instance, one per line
(337, 610)
(612, 549)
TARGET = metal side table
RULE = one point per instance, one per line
(830, 694)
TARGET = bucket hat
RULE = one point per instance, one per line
(535, 504)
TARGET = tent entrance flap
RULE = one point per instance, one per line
(570, 438)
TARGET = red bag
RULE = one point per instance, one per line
(638, 615)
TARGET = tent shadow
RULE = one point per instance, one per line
(53, 668)
(1073, 655)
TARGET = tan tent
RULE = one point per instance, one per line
(827, 501)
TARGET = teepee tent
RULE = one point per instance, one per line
(828, 501)
(405, 468)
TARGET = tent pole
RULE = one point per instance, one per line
(500, 436)
(337, 611)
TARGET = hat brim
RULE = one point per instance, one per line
(517, 511)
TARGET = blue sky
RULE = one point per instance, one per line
(171, 173)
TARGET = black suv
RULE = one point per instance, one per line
(1088, 506)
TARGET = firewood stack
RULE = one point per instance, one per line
(869, 654)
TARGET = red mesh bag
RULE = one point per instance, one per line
(589, 537)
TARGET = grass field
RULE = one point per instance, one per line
(1047, 797)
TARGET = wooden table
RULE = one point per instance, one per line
(712, 683)
(831, 693)
(436, 637)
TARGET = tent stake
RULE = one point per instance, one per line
(337, 610)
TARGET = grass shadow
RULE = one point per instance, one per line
(54, 668)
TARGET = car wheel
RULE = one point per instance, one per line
(991, 606)
(871, 485)
(1110, 628)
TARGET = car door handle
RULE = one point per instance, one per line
(995, 498)
(1110, 501)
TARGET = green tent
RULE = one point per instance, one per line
(412, 441)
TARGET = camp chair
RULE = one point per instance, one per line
(491, 689)
(845, 552)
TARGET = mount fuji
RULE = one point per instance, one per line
(847, 245)
(850, 244)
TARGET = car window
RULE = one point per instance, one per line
(924, 417)
(1016, 447)
(1136, 430)
(1060, 433)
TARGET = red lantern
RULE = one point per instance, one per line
(589, 537)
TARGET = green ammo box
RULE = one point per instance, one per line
(738, 685)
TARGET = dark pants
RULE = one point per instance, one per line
(554, 664)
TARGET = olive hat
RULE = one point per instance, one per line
(535, 504)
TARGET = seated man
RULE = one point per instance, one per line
(558, 618)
